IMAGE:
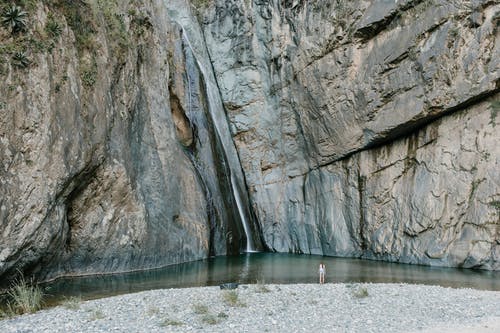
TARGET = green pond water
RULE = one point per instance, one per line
(268, 268)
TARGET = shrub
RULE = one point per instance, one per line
(14, 18)
(210, 319)
(72, 303)
(81, 19)
(96, 314)
(88, 77)
(24, 297)
(360, 292)
(116, 27)
(52, 27)
(200, 308)
(171, 322)
(20, 60)
(4, 314)
(222, 315)
(231, 298)
(139, 22)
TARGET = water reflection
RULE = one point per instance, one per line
(269, 268)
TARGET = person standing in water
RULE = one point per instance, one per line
(322, 271)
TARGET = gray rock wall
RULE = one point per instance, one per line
(364, 128)
(108, 157)
(312, 86)
(429, 198)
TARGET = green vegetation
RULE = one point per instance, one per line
(115, 24)
(199, 4)
(96, 314)
(230, 297)
(20, 60)
(121, 22)
(152, 311)
(210, 319)
(14, 49)
(88, 77)
(454, 33)
(85, 17)
(200, 308)
(495, 108)
(360, 292)
(72, 303)
(23, 297)
(88, 72)
(4, 68)
(4, 314)
(170, 322)
(80, 18)
(14, 19)
(222, 315)
(475, 185)
(52, 27)
(22, 40)
(29, 5)
(207, 317)
(140, 22)
(495, 204)
(58, 85)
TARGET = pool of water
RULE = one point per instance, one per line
(268, 268)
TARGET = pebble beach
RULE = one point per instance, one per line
(275, 308)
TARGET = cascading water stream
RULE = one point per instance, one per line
(210, 91)
(246, 227)
(216, 113)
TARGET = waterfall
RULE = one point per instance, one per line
(246, 226)
(178, 10)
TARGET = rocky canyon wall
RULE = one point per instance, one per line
(109, 160)
(137, 134)
(366, 128)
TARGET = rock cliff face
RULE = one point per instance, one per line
(334, 108)
(356, 128)
(109, 158)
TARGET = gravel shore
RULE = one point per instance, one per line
(276, 308)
